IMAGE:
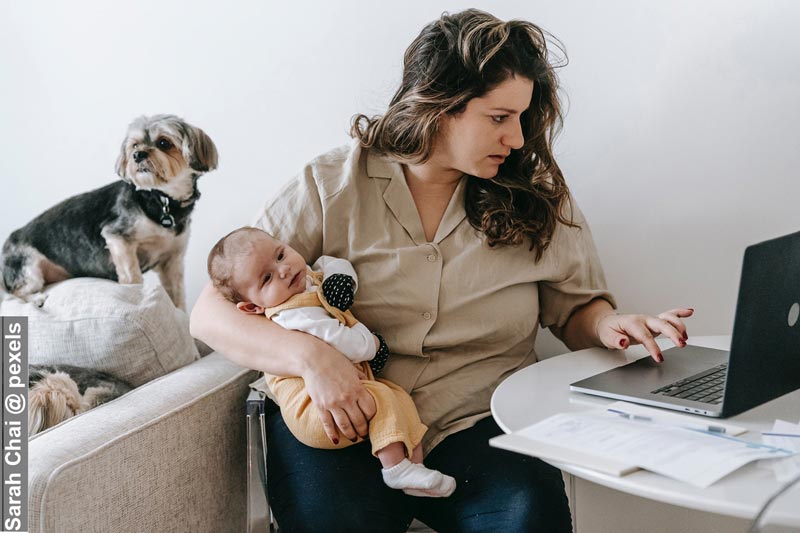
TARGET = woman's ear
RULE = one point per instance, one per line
(250, 308)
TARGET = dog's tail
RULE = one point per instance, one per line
(52, 400)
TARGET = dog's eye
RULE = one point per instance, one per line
(163, 144)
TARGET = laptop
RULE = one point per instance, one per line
(764, 359)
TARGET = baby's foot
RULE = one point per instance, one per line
(417, 480)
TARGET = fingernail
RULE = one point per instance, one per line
(354, 440)
(336, 441)
(686, 336)
(622, 343)
(660, 358)
(691, 309)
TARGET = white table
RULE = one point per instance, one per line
(542, 390)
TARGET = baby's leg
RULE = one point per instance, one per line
(412, 478)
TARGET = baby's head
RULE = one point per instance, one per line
(255, 271)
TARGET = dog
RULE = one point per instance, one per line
(59, 392)
(123, 229)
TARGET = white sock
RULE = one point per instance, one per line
(417, 480)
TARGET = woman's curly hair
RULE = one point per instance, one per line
(464, 56)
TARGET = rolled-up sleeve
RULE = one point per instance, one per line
(578, 275)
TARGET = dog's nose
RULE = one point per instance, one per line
(139, 156)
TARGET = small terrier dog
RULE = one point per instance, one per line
(59, 392)
(125, 228)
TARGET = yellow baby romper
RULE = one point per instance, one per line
(396, 418)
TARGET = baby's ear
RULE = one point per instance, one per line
(250, 308)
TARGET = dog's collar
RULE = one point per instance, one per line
(168, 204)
(167, 207)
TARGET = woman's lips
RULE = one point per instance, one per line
(499, 159)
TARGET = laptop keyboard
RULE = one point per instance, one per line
(706, 387)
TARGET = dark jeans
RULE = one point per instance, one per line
(342, 490)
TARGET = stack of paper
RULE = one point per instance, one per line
(784, 435)
(609, 443)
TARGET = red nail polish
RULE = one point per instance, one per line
(336, 441)
(660, 358)
(622, 343)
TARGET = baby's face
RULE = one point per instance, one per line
(271, 273)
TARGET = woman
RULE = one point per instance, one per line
(461, 228)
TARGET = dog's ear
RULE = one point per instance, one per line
(198, 149)
(122, 162)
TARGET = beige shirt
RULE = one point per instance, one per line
(458, 316)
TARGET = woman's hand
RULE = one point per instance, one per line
(343, 404)
(617, 332)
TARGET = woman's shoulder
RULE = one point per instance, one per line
(339, 168)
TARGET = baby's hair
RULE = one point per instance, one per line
(223, 258)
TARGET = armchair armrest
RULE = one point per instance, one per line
(167, 456)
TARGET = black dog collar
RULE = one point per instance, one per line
(164, 209)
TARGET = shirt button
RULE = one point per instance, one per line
(426, 315)
(431, 257)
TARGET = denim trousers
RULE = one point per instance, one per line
(342, 490)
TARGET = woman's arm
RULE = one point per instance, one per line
(596, 324)
(255, 342)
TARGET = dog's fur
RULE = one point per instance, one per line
(125, 228)
(58, 392)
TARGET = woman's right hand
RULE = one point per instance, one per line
(343, 404)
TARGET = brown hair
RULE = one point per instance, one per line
(223, 256)
(464, 56)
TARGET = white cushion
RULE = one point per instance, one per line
(133, 332)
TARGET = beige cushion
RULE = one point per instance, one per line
(133, 332)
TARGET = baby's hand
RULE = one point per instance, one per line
(379, 361)
(338, 289)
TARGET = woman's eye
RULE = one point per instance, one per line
(499, 118)
(163, 144)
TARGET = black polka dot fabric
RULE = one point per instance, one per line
(338, 290)
(379, 361)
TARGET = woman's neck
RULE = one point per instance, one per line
(431, 190)
(431, 177)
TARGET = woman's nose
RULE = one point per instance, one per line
(513, 137)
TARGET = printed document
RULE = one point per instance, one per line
(785, 435)
(694, 456)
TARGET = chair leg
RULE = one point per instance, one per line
(259, 514)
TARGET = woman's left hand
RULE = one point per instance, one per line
(617, 332)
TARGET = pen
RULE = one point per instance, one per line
(630, 416)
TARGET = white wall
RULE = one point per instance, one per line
(680, 140)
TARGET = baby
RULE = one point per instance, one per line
(264, 276)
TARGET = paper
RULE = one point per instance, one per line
(783, 436)
(696, 457)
